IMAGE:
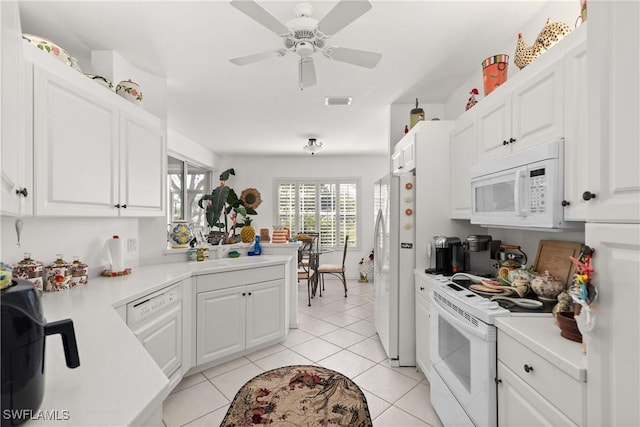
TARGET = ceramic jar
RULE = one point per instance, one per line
(130, 91)
(31, 270)
(79, 272)
(57, 275)
(180, 234)
(547, 287)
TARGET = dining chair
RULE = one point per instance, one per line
(335, 269)
(308, 272)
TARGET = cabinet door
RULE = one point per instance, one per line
(494, 127)
(162, 338)
(614, 349)
(265, 312)
(575, 133)
(13, 142)
(422, 331)
(537, 108)
(142, 166)
(396, 161)
(520, 405)
(408, 151)
(462, 157)
(220, 326)
(613, 110)
(75, 148)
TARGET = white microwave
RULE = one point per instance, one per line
(521, 190)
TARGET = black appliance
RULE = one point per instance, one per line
(23, 344)
(449, 255)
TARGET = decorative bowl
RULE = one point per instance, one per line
(568, 327)
(130, 91)
(101, 81)
(49, 47)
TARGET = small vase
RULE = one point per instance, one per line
(180, 234)
(363, 278)
(257, 247)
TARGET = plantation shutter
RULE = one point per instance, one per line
(348, 211)
(328, 215)
(307, 207)
(287, 205)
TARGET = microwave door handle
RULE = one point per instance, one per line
(458, 323)
(519, 193)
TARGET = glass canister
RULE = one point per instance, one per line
(31, 270)
(57, 275)
(79, 272)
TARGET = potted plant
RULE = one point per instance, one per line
(223, 207)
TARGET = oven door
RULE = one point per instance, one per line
(463, 355)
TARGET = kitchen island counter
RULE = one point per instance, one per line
(117, 382)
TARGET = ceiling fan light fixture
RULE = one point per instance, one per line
(313, 146)
(337, 100)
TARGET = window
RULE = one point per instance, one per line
(186, 184)
(329, 207)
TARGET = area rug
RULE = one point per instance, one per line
(299, 395)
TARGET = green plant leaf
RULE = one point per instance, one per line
(251, 211)
(225, 175)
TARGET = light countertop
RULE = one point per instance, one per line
(542, 336)
(117, 382)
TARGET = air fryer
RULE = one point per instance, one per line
(24, 329)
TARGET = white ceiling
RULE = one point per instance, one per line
(429, 49)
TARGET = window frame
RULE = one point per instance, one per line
(186, 162)
(318, 182)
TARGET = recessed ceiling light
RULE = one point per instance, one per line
(337, 100)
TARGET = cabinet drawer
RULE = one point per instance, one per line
(558, 388)
(228, 279)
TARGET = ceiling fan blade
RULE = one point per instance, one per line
(344, 13)
(250, 59)
(259, 14)
(306, 73)
(361, 58)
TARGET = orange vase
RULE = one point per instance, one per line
(494, 72)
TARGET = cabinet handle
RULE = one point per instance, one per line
(244, 293)
(22, 192)
(528, 368)
(249, 293)
(124, 206)
(565, 203)
(588, 195)
(422, 288)
(512, 140)
(505, 143)
(497, 380)
(118, 206)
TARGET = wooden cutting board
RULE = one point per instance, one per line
(553, 256)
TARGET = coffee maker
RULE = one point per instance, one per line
(24, 329)
(449, 255)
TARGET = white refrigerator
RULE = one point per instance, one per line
(394, 261)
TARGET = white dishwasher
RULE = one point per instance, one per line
(156, 320)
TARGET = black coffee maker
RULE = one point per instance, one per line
(449, 255)
(23, 344)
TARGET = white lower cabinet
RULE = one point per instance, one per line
(235, 316)
(532, 391)
(423, 300)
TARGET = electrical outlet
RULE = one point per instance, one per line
(132, 245)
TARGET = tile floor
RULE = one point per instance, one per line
(335, 332)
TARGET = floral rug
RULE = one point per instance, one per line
(299, 395)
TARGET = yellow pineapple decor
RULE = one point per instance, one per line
(247, 233)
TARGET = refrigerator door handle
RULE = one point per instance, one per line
(378, 232)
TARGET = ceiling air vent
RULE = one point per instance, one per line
(337, 100)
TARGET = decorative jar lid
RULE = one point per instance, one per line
(27, 262)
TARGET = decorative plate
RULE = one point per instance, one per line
(101, 81)
(49, 47)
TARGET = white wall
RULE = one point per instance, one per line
(82, 237)
(261, 173)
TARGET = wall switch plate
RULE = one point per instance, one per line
(132, 244)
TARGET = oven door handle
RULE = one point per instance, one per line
(459, 323)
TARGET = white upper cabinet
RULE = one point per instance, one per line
(404, 154)
(95, 154)
(527, 115)
(576, 173)
(15, 178)
(462, 155)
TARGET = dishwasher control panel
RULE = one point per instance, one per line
(151, 304)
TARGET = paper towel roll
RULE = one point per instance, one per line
(116, 250)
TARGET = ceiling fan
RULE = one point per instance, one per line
(305, 36)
